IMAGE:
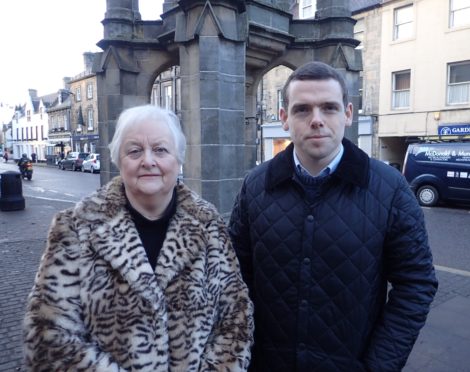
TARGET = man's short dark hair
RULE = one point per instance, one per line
(315, 71)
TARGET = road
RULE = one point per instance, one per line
(449, 236)
(52, 183)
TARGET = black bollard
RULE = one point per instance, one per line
(11, 198)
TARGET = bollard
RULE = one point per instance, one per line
(11, 198)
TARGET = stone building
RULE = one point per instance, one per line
(416, 73)
(84, 109)
(222, 49)
(59, 137)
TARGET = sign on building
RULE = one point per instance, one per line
(454, 129)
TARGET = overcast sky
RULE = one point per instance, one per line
(43, 41)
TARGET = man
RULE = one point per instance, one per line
(24, 159)
(319, 232)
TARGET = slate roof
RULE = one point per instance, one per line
(361, 5)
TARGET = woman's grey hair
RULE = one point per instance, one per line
(153, 114)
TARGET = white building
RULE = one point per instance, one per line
(30, 127)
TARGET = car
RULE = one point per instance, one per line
(91, 163)
(439, 172)
(73, 161)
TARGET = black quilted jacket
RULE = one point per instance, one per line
(318, 271)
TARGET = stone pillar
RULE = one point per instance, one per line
(120, 17)
(117, 74)
(335, 23)
(212, 71)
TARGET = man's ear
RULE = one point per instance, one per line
(283, 116)
(349, 114)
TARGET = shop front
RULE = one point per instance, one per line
(57, 148)
(86, 142)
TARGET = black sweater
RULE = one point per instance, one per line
(152, 233)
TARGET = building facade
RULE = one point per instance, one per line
(84, 109)
(59, 127)
(30, 127)
(416, 60)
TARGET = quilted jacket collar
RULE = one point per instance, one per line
(353, 167)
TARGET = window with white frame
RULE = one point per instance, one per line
(167, 97)
(307, 8)
(89, 91)
(154, 95)
(359, 32)
(459, 13)
(90, 119)
(401, 89)
(403, 22)
(279, 103)
(78, 94)
(458, 83)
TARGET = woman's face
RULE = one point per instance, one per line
(149, 166)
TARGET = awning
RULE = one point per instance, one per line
(59, 140)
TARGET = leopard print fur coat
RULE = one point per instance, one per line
(96, 304)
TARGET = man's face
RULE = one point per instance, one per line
(316, 119)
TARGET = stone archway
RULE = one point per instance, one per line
(223, 48)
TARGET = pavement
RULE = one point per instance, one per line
(443, 344)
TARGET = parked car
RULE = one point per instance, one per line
(73, 161)
(439, 171)
(91, 163)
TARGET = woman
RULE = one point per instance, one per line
(141, 275)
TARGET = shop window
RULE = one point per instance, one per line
(280, 145)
